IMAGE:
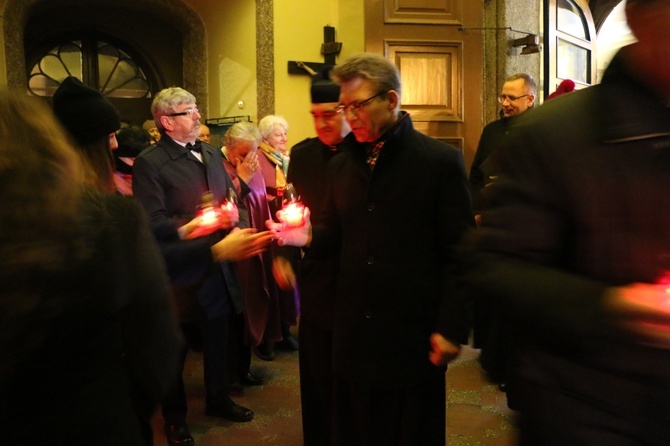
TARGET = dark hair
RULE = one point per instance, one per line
(41, 179)
(99, 162)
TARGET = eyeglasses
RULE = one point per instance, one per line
(188, 112)
(355, 107)
(505, 97)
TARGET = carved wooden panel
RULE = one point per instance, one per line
(426, 12)
(432, 78)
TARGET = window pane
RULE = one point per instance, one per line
(119, 75)
(571, 19)
(59, 63)
(572, 62)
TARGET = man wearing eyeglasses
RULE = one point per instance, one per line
(576, 247)
(170, 179)
(517, 96)
(396, 205)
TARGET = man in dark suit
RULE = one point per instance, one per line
(396, 205)
(576, 247)
(316, 277)
(170, 179)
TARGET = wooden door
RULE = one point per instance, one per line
(441, 65)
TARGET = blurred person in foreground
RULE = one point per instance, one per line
(316, 277)
(397, 321)
(88, 335)
(576, 246)
(170, 179)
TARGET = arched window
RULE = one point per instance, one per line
(570, 44)
(97, 63)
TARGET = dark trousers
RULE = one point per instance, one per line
(239, 354)
(408, 416)
(214, 336)
(316, 383)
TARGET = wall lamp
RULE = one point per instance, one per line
(530, 43)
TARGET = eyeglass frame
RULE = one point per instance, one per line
(188, 112)
(502, 97)
(356, 107)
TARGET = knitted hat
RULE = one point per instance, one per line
(564, 87)
(149, 124)
(84, 111)
(323, 89)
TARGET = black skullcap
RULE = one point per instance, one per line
(84, 111)
(323, 89)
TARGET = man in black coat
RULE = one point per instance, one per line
(317, 275)
(576, 245)
(170, 179)
(396, 205)
(491, 334)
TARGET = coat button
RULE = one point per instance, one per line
(371, 260)
(367, 314)
(371, 207)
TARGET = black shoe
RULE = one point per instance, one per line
(289, 343)
(265, 351)
(251, 380)
(236, 389)
(178, 435)
(231, 411)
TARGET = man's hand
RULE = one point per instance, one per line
(642, 310)
(229, 216)
(292, 236)
(195, 228)
(442, 350)
(241, 244)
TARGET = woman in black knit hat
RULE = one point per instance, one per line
(92, 120)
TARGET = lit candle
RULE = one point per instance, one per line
(209, 211)
(292, 213)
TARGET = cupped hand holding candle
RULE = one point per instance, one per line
(285, 234)
(292, 215)
(642, 310)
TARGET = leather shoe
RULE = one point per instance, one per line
(232, 412)
(236, 389)
(178, 435)
(265, 352)
(289, 343)
(251, 380)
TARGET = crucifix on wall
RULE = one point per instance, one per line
(329, 49)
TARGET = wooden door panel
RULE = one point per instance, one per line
(431, 78)
(441, 66)
(443, 12)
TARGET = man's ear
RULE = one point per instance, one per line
(167, 122)
(394, 99)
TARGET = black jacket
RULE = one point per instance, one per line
(396, 229)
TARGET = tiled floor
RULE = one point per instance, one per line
(477, 414)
